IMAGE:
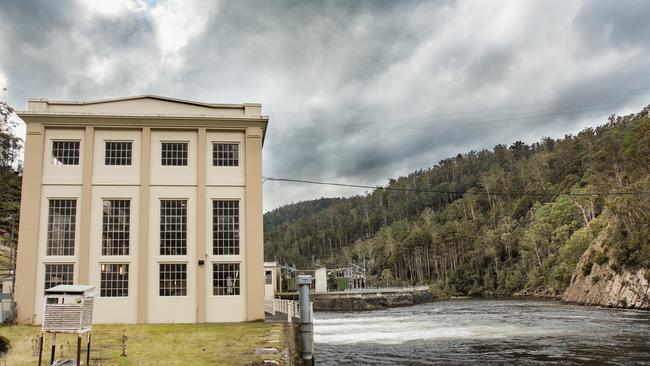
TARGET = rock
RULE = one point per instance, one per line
(266, 351)
(263, 362)
(540, 292)
(625, 288)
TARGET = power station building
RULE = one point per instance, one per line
(155, 201)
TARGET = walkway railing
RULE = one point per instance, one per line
(289, 307)
(382, 289)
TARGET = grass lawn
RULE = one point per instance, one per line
(155, 344)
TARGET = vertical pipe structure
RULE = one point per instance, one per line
(79, 350)
(88, 350)
(306, 326)
(40, 349)
(53, 351)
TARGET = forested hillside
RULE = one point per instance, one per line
(480, 240)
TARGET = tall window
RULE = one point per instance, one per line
(65, 152)
(268, 277)
(114, 280)
(225, 227)
(174, 153)
(116, 227)
(58, 274)
(225, 279)
(225, 154)
(173, 279)
(173, 227)
(118, 153)
(62, 218)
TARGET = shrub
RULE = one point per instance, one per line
(601, 258)
(586, 268)
(595, 279)
(439, 290)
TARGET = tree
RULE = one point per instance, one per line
(387, 277)
(10, 179)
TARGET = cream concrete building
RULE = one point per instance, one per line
(156, 201)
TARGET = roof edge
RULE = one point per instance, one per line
(152, 96)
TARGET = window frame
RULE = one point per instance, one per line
(183, 289)
(122, 250)
(215, 158)
(57, 161)
(219, 291)
(45, 274)
(64, 250)
(237, 224)
(165, 160)
(166, 250)
(268, 280)
(128, 159)
(122, 281)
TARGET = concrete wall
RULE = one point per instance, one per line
(320, 276)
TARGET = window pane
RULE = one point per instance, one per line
(58, 274)
(173, 279)
(225, 227)
(114, 280)
(225, 154)
(174, 153)
(173, 227)
(62, 218)
(116, 227)
(225, 279)
(65, 152)
(118, 153)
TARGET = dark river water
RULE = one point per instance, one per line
(484, 331)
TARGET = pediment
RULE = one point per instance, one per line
(145, 105)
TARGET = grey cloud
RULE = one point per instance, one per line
(343, 80)
(49, 47)
(615, 23)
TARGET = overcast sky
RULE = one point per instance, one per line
(356, 91)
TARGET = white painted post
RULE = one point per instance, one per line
(289, 314)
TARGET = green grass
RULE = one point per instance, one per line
(155, 344)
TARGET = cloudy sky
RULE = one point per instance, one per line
(356, 91)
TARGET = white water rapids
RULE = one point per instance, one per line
(485, 331)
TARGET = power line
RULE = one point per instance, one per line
(484, 193)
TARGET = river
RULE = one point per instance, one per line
(485, 331)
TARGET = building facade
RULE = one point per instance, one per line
(155, 201)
